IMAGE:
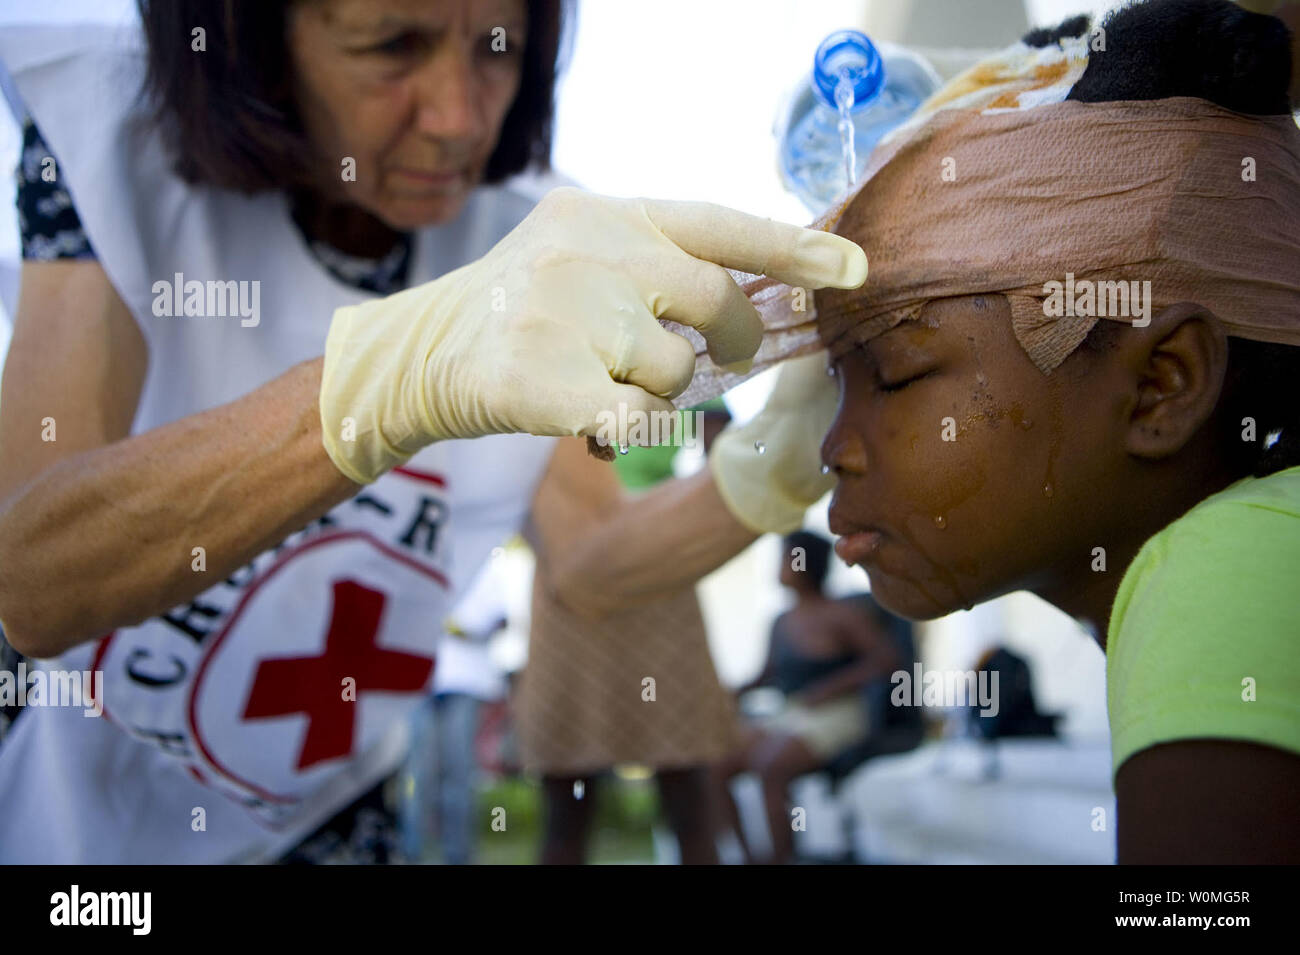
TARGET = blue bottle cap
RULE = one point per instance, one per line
(848, 51)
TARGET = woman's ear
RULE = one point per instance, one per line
(1176, 366)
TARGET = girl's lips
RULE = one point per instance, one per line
(856, 548)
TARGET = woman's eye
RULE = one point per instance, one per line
(401, 45)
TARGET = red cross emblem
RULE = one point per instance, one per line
(314, 685)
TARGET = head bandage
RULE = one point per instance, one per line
(1056, 206)
(1017, 77)
(1201, 202)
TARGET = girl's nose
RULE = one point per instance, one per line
(842, 450)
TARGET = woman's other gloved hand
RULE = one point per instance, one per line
(557, 323)
(768, 471)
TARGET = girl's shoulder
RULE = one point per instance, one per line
(1203, 634)
(1249, 523)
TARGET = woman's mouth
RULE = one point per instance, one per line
(432, 181)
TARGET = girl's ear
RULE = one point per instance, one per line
(1176, 366)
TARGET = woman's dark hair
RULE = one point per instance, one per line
(817, 554)
(228, 113)
(1214, 50)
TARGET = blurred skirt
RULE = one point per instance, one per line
(585, 702)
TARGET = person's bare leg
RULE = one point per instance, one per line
(725, 813)
(567, 819)
(779, 762)
(685, 797)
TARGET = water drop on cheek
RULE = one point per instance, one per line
(1047, 490)
(940, 521)
(1026, 423)
(826, 469)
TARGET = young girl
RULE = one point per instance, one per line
(1140, 474)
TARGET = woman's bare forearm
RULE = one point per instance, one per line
(107, 538)
(653, 543)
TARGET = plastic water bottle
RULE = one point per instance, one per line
(858, 91)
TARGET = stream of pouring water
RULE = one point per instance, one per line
(844, 101)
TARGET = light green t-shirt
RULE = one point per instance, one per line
(1204, 636)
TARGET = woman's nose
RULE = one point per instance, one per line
(842, 449)
(448, 98)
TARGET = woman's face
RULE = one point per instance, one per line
(963, 471)
(412, 90)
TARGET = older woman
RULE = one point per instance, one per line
(261, 541)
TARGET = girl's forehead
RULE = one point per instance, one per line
(937, 321)
(978, 326)
(983, 304)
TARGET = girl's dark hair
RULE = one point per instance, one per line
(228, 113)
(1214, 50)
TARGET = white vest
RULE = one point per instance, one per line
(237, 704)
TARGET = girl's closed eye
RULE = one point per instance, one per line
(887, 386)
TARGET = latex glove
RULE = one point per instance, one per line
(557, 323)
(768, 470)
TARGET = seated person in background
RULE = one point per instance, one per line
(823, 653)
(1138, 468)
(1017, 711)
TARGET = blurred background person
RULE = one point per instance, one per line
(440, 785)
(823, 656)
(635, 686)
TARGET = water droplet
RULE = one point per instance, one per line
(1047, 490)
(760, 447)
(578, 787)
(1026, 423)
(826, 469)
(940, 521)
(622, 449)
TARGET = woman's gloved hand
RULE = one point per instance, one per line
(768, 471)
(557, 323)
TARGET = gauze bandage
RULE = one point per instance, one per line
(1080, 211)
